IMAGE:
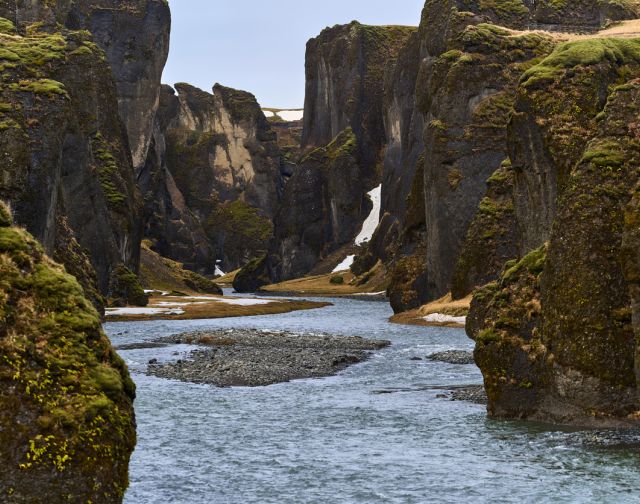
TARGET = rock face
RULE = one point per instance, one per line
(555, 336)
(215, 178)
(68, 171)
(450, 95)
(67, 425)
(466, 99)
(325, 202)
(134, 36)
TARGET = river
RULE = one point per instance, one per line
(376, 433)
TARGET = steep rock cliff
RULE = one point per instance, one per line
(67, 425)
(466, 98)
(325, 202)
(134, 34)
(555, 338)
(67, 169)
(215, 180)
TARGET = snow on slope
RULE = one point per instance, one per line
(370, 225)
(344, 265)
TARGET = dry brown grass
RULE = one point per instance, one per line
(444, 305)
(624, 29)
(227, 280)
(202, 309)
(320, 285)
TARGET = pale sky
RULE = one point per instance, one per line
(259, 45)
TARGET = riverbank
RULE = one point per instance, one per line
(167, 307)
(251, 358)
(444, 312)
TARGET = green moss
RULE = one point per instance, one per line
(488, 336)
(32, 53)
(336, 280)
(533, 262)
(344, 144)
(125, 288)
(242, 226)
(7, 27)
(605, 154)
(60, 365)
(505, 9)
(569, 55)
(6, 218)
(108, 172)
(47, 87)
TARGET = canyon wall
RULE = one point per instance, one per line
(325, 202)
(214, 179)
(81, 199)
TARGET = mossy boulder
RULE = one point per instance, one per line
(252, 276)
(67, 425)
(160, 273)
(125, 288)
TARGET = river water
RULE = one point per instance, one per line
(376, 433)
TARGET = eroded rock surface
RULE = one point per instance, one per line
(67, 425)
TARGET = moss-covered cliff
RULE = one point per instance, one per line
(572, 344)
(68, 174)
(67, 426)
(325, 201)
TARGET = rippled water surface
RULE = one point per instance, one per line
(340, 440)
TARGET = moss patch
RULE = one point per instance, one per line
(66, 402)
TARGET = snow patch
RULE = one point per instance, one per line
(234, 301)
(345, 265)
(219, 272)
(291, 115)
(113, 312)
(268, 113)
(371, 223)
(439, 318)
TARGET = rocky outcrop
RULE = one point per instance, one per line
(466, 99)
(555, 336)
(67, 425)
(325, 202)
(67, 169)
(134, 34)
(125, 78)
(215, 179)
(161, 274)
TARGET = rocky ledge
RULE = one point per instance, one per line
(253, 358)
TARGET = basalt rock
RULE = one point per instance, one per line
(555, 336)
(67, 425)
(134, 34)
(67, 169)
(325, 202)
(467, 95)
(215, 180)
